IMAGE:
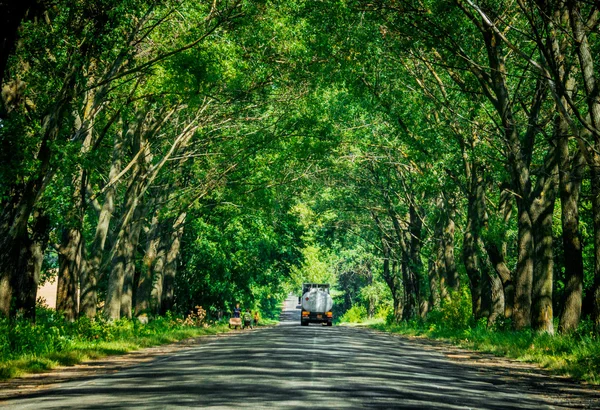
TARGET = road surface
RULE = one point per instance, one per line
(314, 367)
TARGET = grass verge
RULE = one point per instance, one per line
(576, 355)
(52, 341)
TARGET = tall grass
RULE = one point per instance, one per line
(53, 341)
(576, 354)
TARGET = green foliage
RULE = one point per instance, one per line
(52, 341)
(454, 313)
(356, 314)
(576, 355)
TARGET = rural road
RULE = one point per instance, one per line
(314, 367)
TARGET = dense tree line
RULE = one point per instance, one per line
(124, 123)
(476, 157)
(163, 150)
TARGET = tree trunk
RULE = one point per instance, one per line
(542, 211)
(497, 261)
(411, 266)
(435, 274)
(131, 243)
(475, 216)
(524, 272)
(26, 291)
(171, 264)
(496, 291)
(390, 277)
(586, 63)
(91, 271)
(596, 218)
(69, 258)
(570, 183)
(448, 242)
(145, 282)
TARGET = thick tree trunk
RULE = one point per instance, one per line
(26, 291)
(69, 259)
(145, 282)
(496, 289)
(170, 269)
(542, 211)
(158, 271)
(112, 305)
(441, 273)
(14, 236)
(120, 281)
(524, 272)
(570, 183)
(497, 261)
(596, 218)
(131, 241)
(586, 63)
(475, 216)
(497, 307)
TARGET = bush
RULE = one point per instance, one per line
(454, 313)
(384, 311)
(356, 314)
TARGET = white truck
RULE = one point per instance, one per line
(316, 304)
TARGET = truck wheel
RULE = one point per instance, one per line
(304, 323)
(329, 324)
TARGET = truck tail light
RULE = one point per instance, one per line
(305, 313)
(329, 314)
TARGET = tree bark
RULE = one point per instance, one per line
(69, 258)
(171, 264)
(590, 82)
(91, 271)
(145, 282)
(496, 289)
(570, 184)
(131, 241)
(475, 216)
(498, 263)
(158, 271)
(448, 243)
(596, 219)
(26, 288)
(542, 211)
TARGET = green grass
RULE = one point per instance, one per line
(267, 322)
(52, 341)
(576, 355)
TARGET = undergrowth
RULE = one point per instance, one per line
(576, 354)
(54, 341)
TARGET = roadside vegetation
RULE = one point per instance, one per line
(54, 341)
(576, 354)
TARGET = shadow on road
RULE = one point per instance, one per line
(295, 367)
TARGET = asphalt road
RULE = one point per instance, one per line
(294, 367)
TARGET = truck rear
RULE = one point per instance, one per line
(316, 304)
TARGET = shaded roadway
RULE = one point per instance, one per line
(296, 367)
